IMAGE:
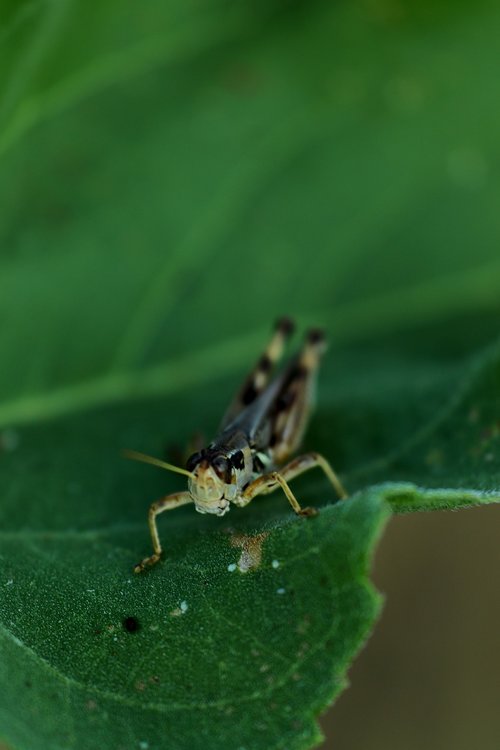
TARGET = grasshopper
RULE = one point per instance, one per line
(262, 427)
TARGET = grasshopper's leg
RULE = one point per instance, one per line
(294, 402)
(259, 376)
(309, 461)
(270, 482)
(166, 503)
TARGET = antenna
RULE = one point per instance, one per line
(136, 456)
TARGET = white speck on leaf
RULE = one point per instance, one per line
(275, 564)
(280, 591)
(9, 582)
(232, 567)
(180, 610)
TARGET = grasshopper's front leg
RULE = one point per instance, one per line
(169, 502)
(270, 482)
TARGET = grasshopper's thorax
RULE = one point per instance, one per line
(219, 474)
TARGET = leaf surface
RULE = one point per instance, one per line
(213, 645)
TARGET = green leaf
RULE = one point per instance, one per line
(220, 653)
(213, 645)
(170, 181)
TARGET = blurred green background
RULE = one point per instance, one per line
(173, 176)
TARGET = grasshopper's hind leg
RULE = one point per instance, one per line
(296, 398)
(169, 502)
(259, 376)
(270, 482)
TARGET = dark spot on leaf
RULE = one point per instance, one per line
(131, 624)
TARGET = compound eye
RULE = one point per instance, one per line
(220, 465)
(193, 461)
